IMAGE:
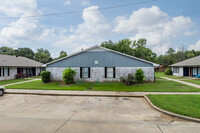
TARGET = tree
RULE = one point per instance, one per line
(25, 52)
(170, 51)
(62, 54)
(44, 51)
(43, 56)
(133, 48)
(7, 51)
(140, 50)
(109, 44)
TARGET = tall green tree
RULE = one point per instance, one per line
(141, 51)
(43, 56)
(7, 51)
(62, 54)
(134, 48)
(25, 52)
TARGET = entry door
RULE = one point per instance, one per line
(33, 71)
(186, 71)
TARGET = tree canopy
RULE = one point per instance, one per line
(134, 48)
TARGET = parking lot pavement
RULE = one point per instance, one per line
(61, 114)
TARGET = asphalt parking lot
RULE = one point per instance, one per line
(66, 114)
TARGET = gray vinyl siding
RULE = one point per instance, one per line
(104, 58)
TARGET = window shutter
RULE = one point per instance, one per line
(3, 72)
(0, 72)
(80, 72)
(105, 72)
(8, 71)
(88, 72)
(113, 72)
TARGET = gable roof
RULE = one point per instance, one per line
(9, 61)
(97, 46)
(195, 61)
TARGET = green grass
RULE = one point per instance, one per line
(159, 86)
(3, 82)
(36, 77)
(195, 81)
(161, 74)
(188, 105)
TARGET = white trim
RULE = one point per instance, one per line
(97, 46)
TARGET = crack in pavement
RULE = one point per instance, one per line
(65, 122)
(159, 128)
(69, 118)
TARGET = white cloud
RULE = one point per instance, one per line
(195, 46)
(154, 25)
(85, 3)
(19, 7)
(67, 2)
(92, 31)
(23, 29)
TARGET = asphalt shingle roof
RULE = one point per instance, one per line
(8, 60)
(195, 61)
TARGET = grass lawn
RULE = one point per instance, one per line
(187, 105)
(159, 86)
(195, 81)
(161, 74)
(36, 77)
(3, 82)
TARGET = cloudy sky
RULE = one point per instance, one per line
(164, 23)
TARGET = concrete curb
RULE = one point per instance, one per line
(81, 95)
(170, 113)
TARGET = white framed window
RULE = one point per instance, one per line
(85, 72)
(199, 70)
(194, 71)
(110, 72)
(176, 70)
(5, 71)
(0, 72)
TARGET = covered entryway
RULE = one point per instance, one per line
(27, 71)
(186, 71)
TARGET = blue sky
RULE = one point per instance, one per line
(164, 23)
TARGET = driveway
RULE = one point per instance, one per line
(61, 114)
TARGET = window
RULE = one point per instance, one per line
(194, 71)
(199, 70)
(0, 72)
(85, 72)
(176, 70)
(6, 71)
(109, 72)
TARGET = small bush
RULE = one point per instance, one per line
(128, 80)
(68, 76)
(168, 71)
(139, 76)
(45, 76)
(123, 79)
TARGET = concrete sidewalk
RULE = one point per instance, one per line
(20, 82)
(183, 82)
(89, 93)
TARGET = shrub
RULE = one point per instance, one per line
(68, 76)
(128, 80)
(139, 76)
(123, 79)
(45, 76)
(168, 71)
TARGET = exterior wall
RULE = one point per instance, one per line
(38, 70)
(104, 58)
(98, 73)
(13, 72)
(180, 72)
